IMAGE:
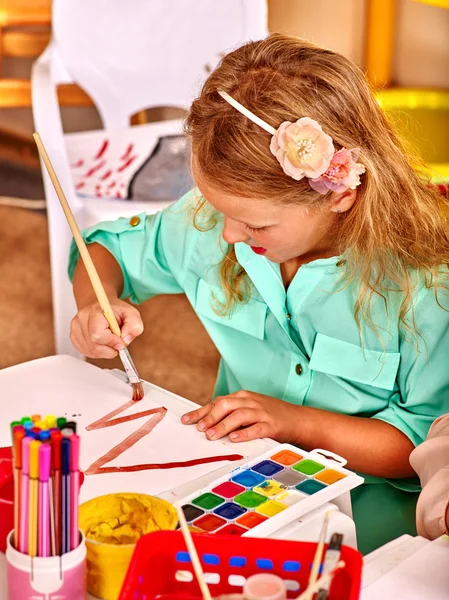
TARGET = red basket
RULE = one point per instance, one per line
(161, 567)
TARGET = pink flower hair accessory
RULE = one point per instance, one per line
(343, 172)
(303, 149)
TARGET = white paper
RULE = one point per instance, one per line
(424, 575)
(83, 393)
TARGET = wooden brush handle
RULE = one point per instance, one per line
(102, 298)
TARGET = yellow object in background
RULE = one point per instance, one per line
(439, 3)
(421, 117)
(379, 44)
(113, 524)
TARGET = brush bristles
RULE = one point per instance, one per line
(138, 392)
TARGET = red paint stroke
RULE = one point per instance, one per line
(111, 185)
(111, 422)
(170, 465)
(106, 175)
(78, 164)
(156, 415)
(80, 185)
(101, 422)
(95, 169)
(97, 467)
(128, 152)
(127, 163)
(102, 149)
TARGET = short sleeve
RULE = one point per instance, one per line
(152, 250)
(423, 375)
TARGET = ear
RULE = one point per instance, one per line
(341, 203)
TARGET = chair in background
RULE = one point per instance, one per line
(126, 57)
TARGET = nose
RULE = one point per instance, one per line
(234, 232)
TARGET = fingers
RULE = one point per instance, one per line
(194, 416)
(238, 418)
(254, 432)
(99, 333)
(90, 331)
(132, 325)
(212, 413)
(91, 350)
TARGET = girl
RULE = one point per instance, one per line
(315, 257)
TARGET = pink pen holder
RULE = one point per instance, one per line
(53, 578)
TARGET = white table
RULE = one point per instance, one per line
(178, 406)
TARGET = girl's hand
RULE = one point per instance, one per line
(90, 333)
(259, 416)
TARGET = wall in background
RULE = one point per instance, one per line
(421, 57)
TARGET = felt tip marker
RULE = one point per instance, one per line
(70, 425)
(65, 496)
(60, 422)
(44, 504)
(24, 500)
(18, 435)
(74, 490)
(50, 421)
(33, 498)
(56, 439)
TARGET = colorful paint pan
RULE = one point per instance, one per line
(310, 487)
(270, 488)
(308, 467)
(330, 476)
(230, 511)
(250, 499)
(208, 501)
(287, 457)
(228, 489)
(290, 497)
(267, 468)
(252, 519)
(289, 477)
(192, 512)
(209, 523)
(248, 478)
(232, 529)
(271, 508)
(268, 493)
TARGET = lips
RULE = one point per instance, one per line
(258, 250)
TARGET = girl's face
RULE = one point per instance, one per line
(281, 233)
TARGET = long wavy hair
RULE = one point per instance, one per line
(398, 225)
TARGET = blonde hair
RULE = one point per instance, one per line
(397, 223)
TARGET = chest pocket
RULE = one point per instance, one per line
(336, 357)
(248, 318)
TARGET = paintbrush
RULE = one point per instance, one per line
(324, 580)
(193, 554)
(318, 554)
(102, 298)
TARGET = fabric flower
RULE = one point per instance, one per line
(343, 173)
(302, 148)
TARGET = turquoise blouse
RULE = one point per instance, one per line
(301, 345)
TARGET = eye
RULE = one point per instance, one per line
(256, 229)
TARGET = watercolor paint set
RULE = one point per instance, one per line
(268, 492)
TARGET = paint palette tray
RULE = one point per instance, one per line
(268, 492)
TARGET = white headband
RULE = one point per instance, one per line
(304, 150)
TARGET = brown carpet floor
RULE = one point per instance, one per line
(174, 351)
